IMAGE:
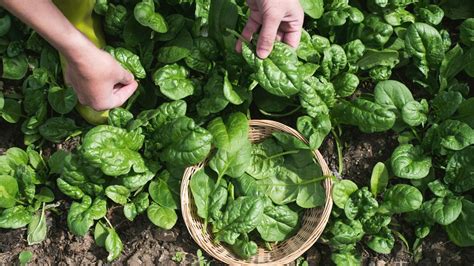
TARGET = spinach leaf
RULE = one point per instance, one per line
(176, 49)
(278, 73)
(368, 116)
(173, 82)
(183, 142)
(402, 198)
(8, 191)
(113, 150)
(62, 100)
(460, 170)
(233, 154)
(378, 179)
(278, 223)
(15, 217)
(443, 210)
(315, 129)
(144, 13)
(410, 162)
(461, 232)
(162, 217)
(361, 204)
(241, 216)
(128, 60)
(81, 215)
(424, 43)
(382, 242)
(37, 228)
(202, 188)
(245, 249)
(341, 192)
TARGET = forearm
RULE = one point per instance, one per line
(46, 19)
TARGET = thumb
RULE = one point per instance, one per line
(126, 77)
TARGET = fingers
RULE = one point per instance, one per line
(268, 34)
(292, 38)
(126, 77)
(250, 28)
(121, 94)
(280, 35)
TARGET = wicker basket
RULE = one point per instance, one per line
(313, 222)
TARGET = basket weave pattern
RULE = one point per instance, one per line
(312, 225)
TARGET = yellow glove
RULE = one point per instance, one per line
(80, 14)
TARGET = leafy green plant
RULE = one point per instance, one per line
(274, 180)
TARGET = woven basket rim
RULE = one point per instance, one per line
(197, 235)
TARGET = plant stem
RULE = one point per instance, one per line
(282, 154)
(340, 158)
(108, 222)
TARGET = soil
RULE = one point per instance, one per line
(146, 244)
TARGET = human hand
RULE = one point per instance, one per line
(98, 79)
(279, 20)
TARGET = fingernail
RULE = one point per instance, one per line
(263, 53)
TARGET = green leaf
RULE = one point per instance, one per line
(129, 61)
(410, 162)
(378, 179)
(57, 129)
(113, 150)
(202, 187)
(15, 67)
(368, 116)
(392, 94)
(278, 223)
(424, 43)
(69, 190)
(14, 218)
(100, 234)
(37, 228)
(455, 135)
(244, 248)
(183, 142)
(81, 215)
(234, 150)
(443, 210)
(45, 195)
(266, 156)
(460, 170)
(130, 211)
(382, 242)
(415, 113)
(341, 192)
(241, 216)
(118, 194)
(446, 103)
(313, 8)
(144, 13)
(278, 73)
(314, 129)
(361, 204)
(8, 191)
(461, 231)
(119, 117)
(161, 216)
(287, 185)
(25, 257)
(345, 84)
(161, 194)
(62, 100)
(113, 245)
(11, 111)
(176, 49)
(173, 82)
(402, 198)
(466, 32)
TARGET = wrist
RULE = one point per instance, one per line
(76, 48)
